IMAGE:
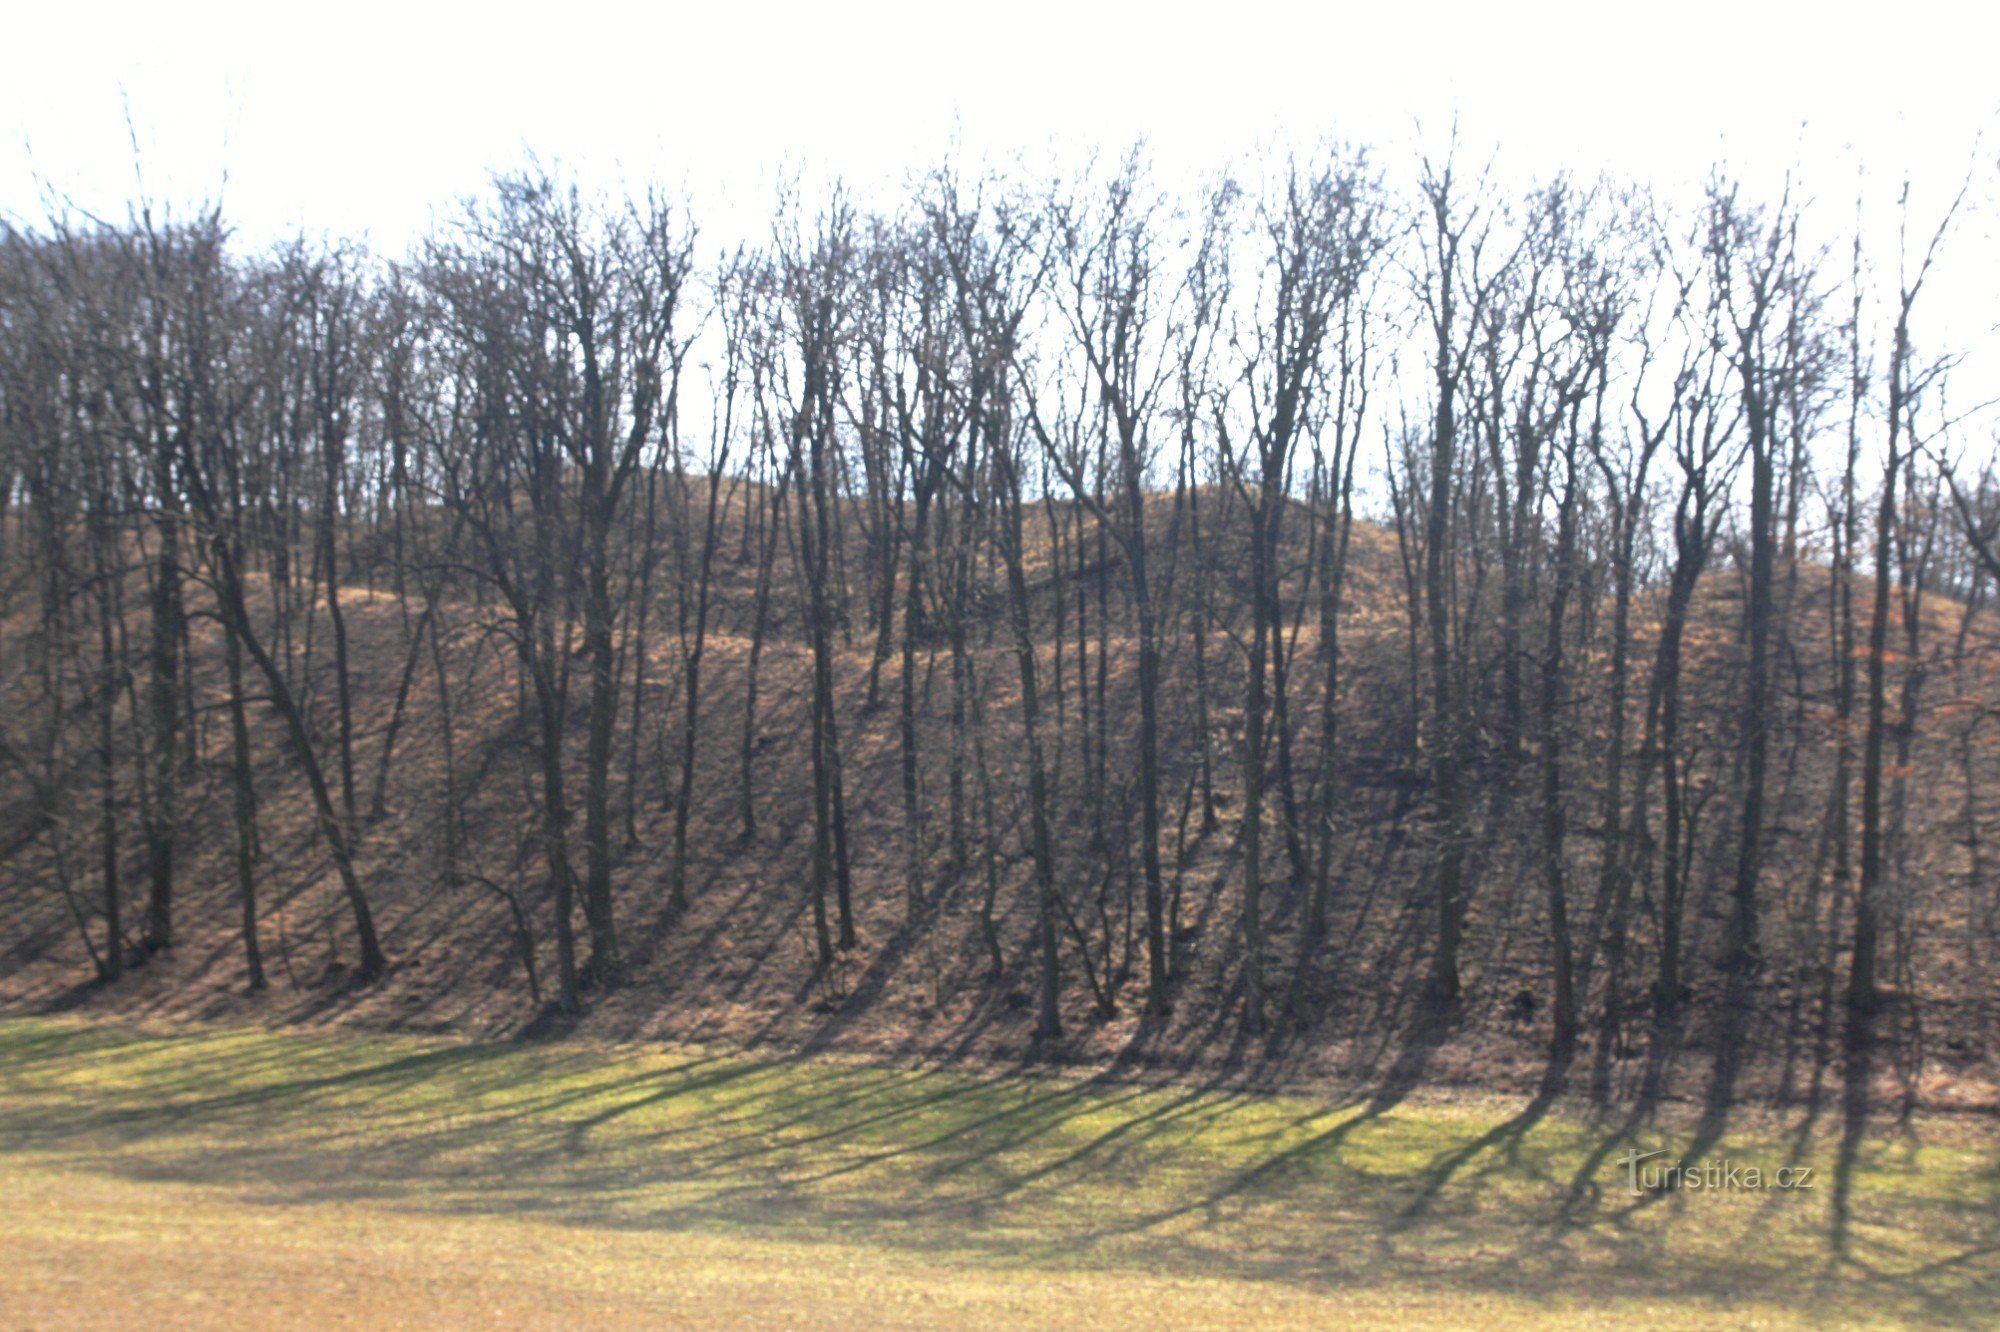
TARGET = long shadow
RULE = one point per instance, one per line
(1421, 1043)
(918, 1159)
(1503, 1137)
(1856, 1082)
(1584, 1192)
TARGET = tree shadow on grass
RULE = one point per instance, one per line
(1373, 1187)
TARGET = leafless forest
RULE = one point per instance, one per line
(1223, 629)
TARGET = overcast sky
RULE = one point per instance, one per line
(360, 117)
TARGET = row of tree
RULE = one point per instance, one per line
(1086, 451)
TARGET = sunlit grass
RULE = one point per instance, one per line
(994, 1181)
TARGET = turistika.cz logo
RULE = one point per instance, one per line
(1722, 1173)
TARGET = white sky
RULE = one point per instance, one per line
(360, 117)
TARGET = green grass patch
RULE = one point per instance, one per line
(1454, 1202)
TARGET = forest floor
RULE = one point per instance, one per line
(209, 1176)
(456, 864)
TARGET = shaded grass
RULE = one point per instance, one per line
(1430, 1207)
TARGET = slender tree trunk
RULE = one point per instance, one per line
(168, 628)
(1863, 984)
(605, 965)
(760, 617)
(1743, 946)
(1253, 781)
(245, 807)
(112, 964)
(1563, 1005)
(1446, 738)
(691, 712)
(332, 829)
